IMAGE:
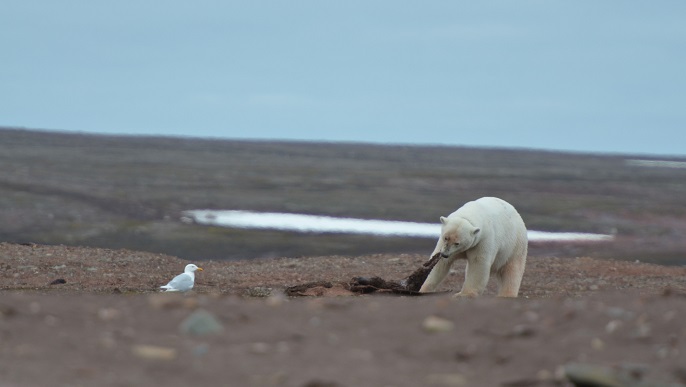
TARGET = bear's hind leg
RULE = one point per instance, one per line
(510, 276)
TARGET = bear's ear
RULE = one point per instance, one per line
(476, 231)
(443, 219)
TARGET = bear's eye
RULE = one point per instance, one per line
(456, 243)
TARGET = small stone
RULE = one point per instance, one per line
(643, 331)
(108, 314)
(453, 379)
(152, 352)
(632, 371)
(597, 344)
(662, 352)
(58, 281)
(260, 348)
(625, 374)
(201, 350)
(315, 321)
(435, 324)
(613, 325)
(544, 375)
(258, 291)
(7, 311)
(522, 330)
(591, 375)
(464, 355)
(276, 299)
(201, 323)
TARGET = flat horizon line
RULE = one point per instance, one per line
(154, 135)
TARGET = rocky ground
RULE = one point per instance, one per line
(84, 316)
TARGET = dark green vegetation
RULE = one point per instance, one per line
(130, 191)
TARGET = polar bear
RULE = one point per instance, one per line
(492, 237)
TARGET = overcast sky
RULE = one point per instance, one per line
(600, 76)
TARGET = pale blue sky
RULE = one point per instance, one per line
(600, 76)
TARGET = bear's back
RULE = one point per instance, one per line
(485, 206)
(491, 212)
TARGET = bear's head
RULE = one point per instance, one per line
(457, 236)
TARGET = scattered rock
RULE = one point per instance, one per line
(453, 379)
(153, 352)
(58, 281)
(464, 355)
(522, 330)
(643, 332)
(613, 325)
(276, 299)
(623, 375)
(258, 291)
(592, 376)
(201, 350)
(260, 348)
(680, 373)
(619, 313)
(108, 314)
(7, 311)
(597, 344)
(201, 323)
(435, 324)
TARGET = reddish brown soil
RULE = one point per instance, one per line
(106, 324)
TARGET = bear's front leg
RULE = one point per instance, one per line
(437, 275)
(476, 276)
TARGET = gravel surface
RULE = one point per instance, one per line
(84, 316)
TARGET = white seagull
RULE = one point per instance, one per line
(182, 282)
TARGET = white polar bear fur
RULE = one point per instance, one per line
(492, 238)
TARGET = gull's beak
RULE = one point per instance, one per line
(200, 269)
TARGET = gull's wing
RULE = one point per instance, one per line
(181, 282)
